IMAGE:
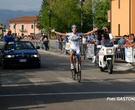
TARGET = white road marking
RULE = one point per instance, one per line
(5, 81)
(96, 80)
(66, 80)
(123, 80)
(66, 93)
(36, 81)
(27, 107)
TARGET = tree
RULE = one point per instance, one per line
(100, 9)
(64, 14)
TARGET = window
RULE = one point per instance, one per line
(119, 30)
(32, 26)
(14, 26)
(22, 27)
(119, 4)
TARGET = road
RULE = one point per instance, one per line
(52, 88)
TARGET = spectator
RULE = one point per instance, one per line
(84, 46)
(18, 38)
(104, 31)
(41, 41)
(45, 42)
(93, 38)
(127, 41)
(131, 41)
(111, 37)
(59, 38)
(89, 38)
(65, 40)
(9, 37)
(123, 40)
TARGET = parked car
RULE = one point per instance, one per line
(19, 53)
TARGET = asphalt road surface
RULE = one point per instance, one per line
(52, 88)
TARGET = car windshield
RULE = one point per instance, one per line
(19, 45)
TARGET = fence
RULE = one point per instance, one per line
(121, 53)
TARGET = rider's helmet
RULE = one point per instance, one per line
(73, 26)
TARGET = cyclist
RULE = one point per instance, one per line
(74, 38)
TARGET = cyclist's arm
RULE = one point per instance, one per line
(59, 33)
(88, 33)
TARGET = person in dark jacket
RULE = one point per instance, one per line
(9, 37)
(45, 42)
(101, 32)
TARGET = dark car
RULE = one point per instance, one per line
(19, 54)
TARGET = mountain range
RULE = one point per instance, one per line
(9, 14)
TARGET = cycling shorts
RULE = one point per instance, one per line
(77, 51)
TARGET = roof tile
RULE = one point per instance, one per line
(23, 19)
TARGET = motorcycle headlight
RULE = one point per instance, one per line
(9, 56)
(109, 51)
(35, 55)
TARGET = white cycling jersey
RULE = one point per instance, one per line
(74, 40)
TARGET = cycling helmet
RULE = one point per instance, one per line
(73, 26)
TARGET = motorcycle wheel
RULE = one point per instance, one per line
(110, 67)
(101, 69)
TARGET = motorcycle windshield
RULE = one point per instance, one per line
(107, 43)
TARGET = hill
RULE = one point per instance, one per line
(9, 14)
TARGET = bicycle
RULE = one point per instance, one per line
(76, 72)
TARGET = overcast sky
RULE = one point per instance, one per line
(25, 5)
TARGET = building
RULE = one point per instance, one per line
(1, 29)
(24, 26)
(122, 17)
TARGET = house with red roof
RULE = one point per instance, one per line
(24, 26)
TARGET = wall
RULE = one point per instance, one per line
(120, 16)
(27, 28)
(133, 16)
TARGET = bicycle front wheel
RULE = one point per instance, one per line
(79, 73)
(73, 74)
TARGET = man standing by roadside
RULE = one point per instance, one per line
(84, 46)
(60, 40)
(9, 37)
(45, 42)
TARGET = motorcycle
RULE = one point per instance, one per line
(106, 56)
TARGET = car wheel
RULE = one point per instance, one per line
(38, 66)
(101, 69)
(0, 64)
(4, 66)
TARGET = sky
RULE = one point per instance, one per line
(24, 5)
